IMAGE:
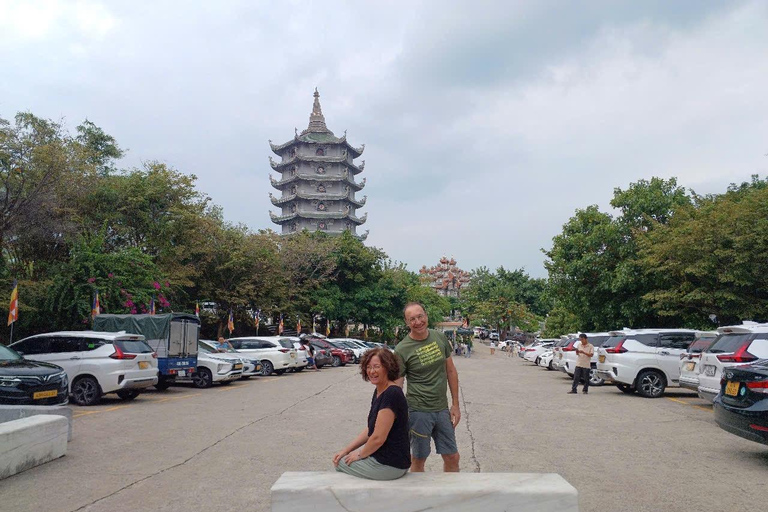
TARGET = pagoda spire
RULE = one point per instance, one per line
(316, 118)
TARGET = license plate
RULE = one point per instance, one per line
(293, 355)
(258, 368)
(732, 388)
(238, 366)
(690, 366)
(709, 370)
(143, 365)
(601, 359)
(182, 373)
(559, 356)
(44, 394)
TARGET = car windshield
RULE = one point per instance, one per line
(205, 347)
(597, 341)
(8, 354)
(133, 346)
(613, 341)
(728, 343)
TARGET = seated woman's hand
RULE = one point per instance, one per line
(338, 456)
(352, 457)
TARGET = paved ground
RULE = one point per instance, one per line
(190, 450)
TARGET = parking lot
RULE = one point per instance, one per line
(189, 449)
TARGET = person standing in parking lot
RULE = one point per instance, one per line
(310, 354)
(493, 347)
(584, 353)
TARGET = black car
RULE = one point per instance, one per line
(25, 382)
(741, 408)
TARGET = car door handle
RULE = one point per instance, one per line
(664, 353)
(73, 358)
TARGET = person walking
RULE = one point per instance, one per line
(469, 346)
(493, 347)
(584, 353)
(310, 354)
(382, 446)
(427, 365)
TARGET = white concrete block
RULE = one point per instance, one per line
(436, 492)
(16, 412)
(32, 441)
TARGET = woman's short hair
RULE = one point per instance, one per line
(388, 360)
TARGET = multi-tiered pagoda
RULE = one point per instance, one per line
(446, 278)
(317, 182)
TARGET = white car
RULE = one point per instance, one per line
(351, 344)
(735, 346)
(558, 363)
(96, 363)
(545, 359)
(276, 355)
(644, 360)
(689, 360)
(533, 352)
(251, 365)
(214, 366)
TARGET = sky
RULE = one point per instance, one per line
(486, 124)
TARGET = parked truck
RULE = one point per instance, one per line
(173, 336)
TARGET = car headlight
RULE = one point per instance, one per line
(9, 382)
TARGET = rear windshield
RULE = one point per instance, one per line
(612, 341)
(728, 343)
(597, 341)
(133, 347)
(699, 345)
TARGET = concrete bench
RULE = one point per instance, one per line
(16, 412)
(32, 441)
(439, 492)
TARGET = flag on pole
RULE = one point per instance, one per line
(346, 330)
(197, 309)
(231, 322)
(327, 327)
(96, 308)
(13, 308)
(298, 326)
(280, 326)
(314, 327)
(256, 316)
(152, 306)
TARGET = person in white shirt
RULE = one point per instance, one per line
(584, 353)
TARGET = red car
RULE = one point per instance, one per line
(341, 356)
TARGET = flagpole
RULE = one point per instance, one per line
(11, 333)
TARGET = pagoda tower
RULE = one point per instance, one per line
(317, 180)
(446, 278)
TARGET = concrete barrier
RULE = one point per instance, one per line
(17, 412)
(436, 492)
(29, 442)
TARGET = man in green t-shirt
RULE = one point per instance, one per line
(425, 357)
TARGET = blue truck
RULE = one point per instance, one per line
(173, 336)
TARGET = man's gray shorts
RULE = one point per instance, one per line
(423, 426)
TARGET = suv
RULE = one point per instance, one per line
(214, 366)
(643, 360)
(689, 360)
(735, 346)
(25, 382)
(596, 339)
(96, 363)
(276, 355)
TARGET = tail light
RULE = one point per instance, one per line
(569, 348)
(759, 387)
(618, 349)
(119, 354)
(154, 355)
(284, 350)
(740, 356)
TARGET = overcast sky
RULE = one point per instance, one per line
(486, 124)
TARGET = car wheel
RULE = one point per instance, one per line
(550, 367)
(650, 384)
(86, 391)
(336, 361)
(202, 378)
(279, 372)
(594, 380)
(625, 388)
(536, 362)
(267, 368)
(128, 394)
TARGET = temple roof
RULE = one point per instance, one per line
(287, 180)
(277, 201)
(279, 219)
(317, 133)
(278, 166)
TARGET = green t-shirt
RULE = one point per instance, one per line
(423, 364)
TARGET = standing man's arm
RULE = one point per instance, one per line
(453, 385)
